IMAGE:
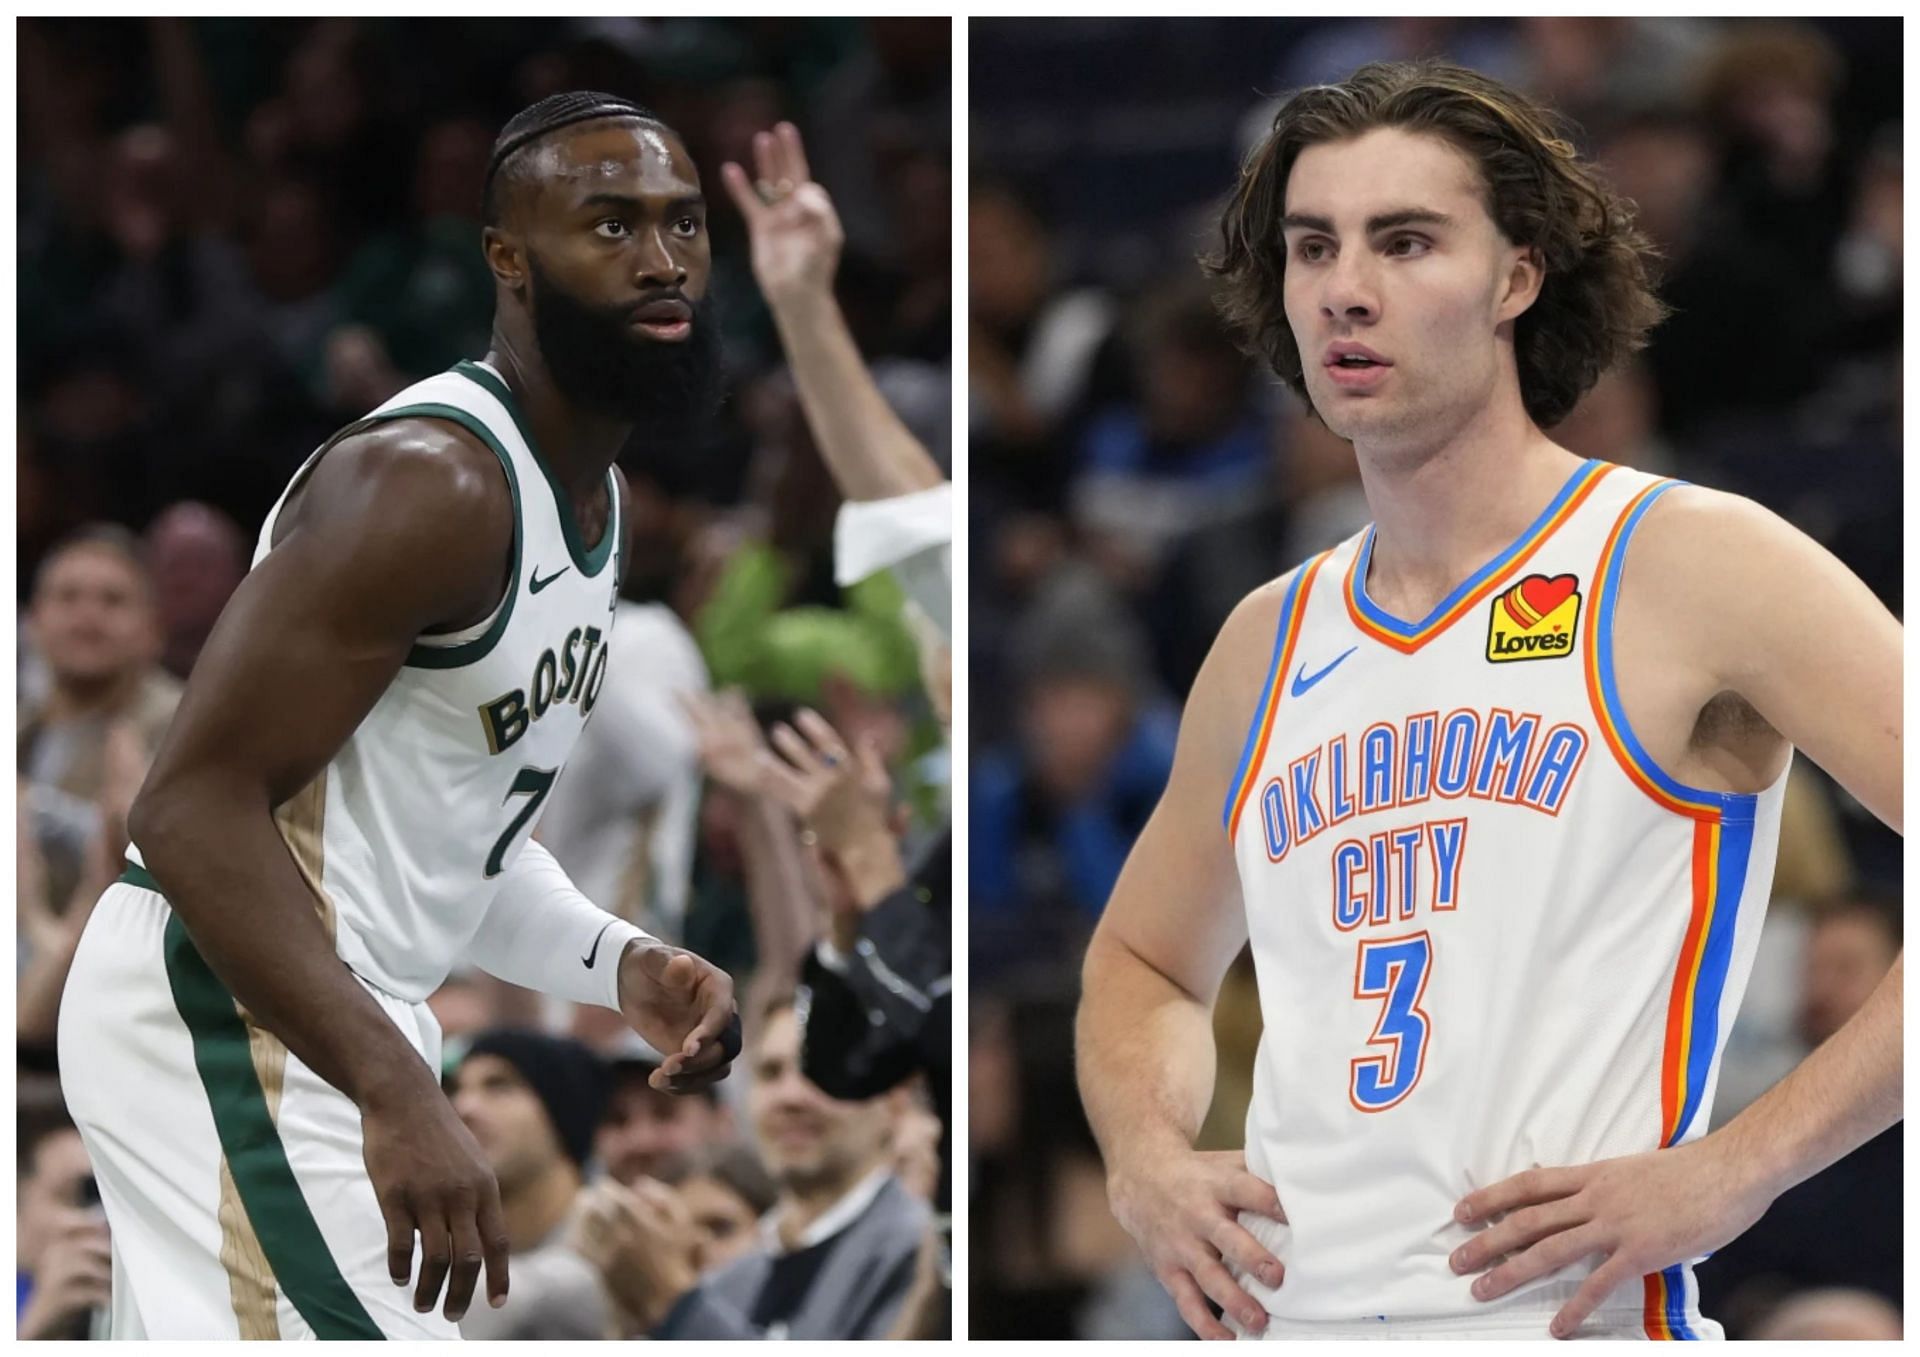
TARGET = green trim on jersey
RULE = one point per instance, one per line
(453, 657)
(590, 560)
(136, 875)
(281, 1219)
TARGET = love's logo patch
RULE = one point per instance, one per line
(1534, 620)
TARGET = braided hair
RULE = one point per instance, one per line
(550, 114)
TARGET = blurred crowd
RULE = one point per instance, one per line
(1133, 475)
(238, 235)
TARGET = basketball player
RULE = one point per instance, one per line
(1492, 788)
(341, 810)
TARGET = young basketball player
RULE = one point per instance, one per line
(341, 810)
(1492, 788)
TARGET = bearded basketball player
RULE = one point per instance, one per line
(341, 811)
(1492, 788)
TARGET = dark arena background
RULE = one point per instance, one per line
(1133, 476)
(238, 236)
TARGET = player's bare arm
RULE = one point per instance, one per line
(1153, 969)
(399, 530)
(1732, 615)
(796, 248)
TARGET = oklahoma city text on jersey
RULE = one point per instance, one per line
(1383, 873)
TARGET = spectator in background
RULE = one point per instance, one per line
(531, 1102)
(1870, 257)
(1590, 67)
(197, 557)
(1724, 283)
(1049, 1259)
(877, 997)
(1055, 812)
(93, 621)
(1768, 88)
(893, 95)
(726, 1192)
(1187, 453)
(1031, 357)
(643, 1128)
(331, 122)
(63, 1267)
(1841, 1227)
(49, 925)
(1329, 53)
(1834, 1313)
(422, 287)
(1852, 946)
(838, 1251)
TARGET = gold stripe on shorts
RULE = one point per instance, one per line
(250, 1278)
(249, 1275)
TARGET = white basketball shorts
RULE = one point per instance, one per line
(232, 1175)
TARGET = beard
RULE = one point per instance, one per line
(666, 390)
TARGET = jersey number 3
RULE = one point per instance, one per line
(1394, 970)
(534, 784)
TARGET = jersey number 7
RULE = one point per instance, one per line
(1393, 969)
(533, 783)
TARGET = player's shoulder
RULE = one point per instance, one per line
(424, 454)
(1710, 575)
(436, 479)
(1256, 617)
(1691, 533)
(414, 514)
(1243, 647)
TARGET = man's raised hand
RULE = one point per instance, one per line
(795, 232)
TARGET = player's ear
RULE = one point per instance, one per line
(506, 256)
(1525, 277)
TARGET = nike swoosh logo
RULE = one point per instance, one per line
(536, 584)
(594, 951)
(1301, 682)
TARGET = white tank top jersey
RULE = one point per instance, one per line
(405, 834)
(1490, 933)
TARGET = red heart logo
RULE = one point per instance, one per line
(1543, 595)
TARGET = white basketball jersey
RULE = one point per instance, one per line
(405, 833)
(1489, 932)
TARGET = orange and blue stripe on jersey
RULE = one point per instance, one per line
(1408, 637)
(1254, 752)
(1667, 1304)
(1722, 846)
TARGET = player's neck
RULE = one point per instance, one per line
(1444, 510)
(537, 1209)
(579, 446)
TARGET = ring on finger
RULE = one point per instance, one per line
(772, 191)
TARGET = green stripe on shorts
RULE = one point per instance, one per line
(281, 1219)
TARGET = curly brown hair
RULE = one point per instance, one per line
(1596, 303)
